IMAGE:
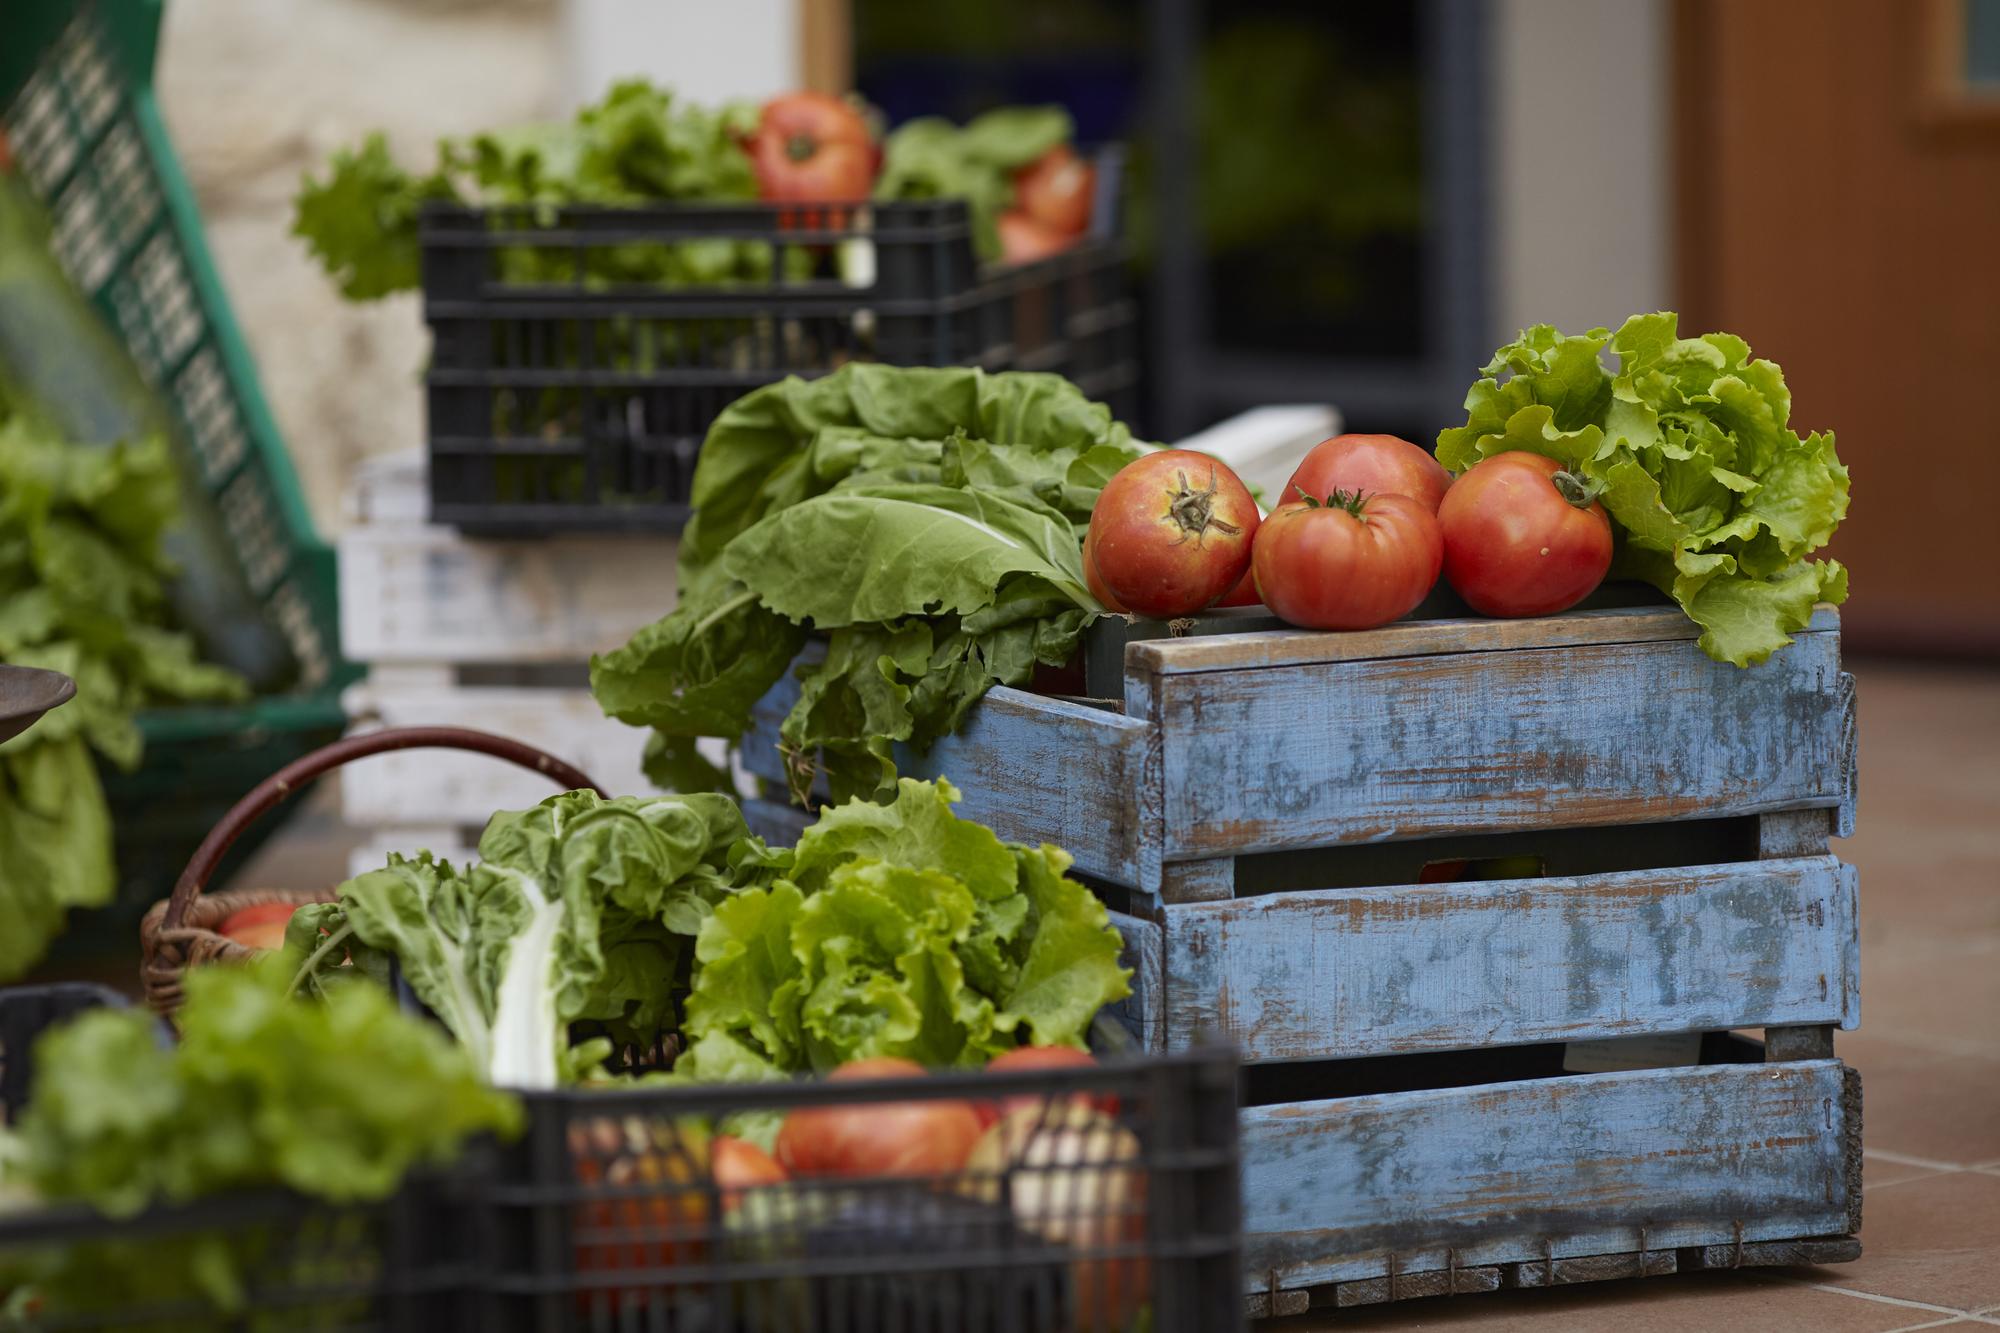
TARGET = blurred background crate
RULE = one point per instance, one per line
(566, 397)
(77, 107)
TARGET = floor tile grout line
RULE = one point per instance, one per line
(1876, 1296)
(1908, 1159)
(1939, 1174)
(1934, 1323)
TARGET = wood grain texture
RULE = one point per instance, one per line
(1303, 756)
(1850, 753)
(1814, 1042)
(776, 822)
(1452, 1281)
(1276, 1304)
(1035, 769)
(1780, 1253)
(1556, 1168)
(1553, 1272)
(1140, 1012)
(1594, 1268)
(1421, 638)
(1341, 973)
(1793, 833)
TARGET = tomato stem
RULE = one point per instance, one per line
(1354, 502)
(801, 147)
(1195, 510)
(1579, 491)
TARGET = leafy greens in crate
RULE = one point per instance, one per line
(894, 929)
(577, 909)
(640, 144)
(929, 522)
(83, 592)
(336, 1101)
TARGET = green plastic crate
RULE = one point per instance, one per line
(76, 101)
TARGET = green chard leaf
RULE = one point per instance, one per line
(927, 522)
(576, 909)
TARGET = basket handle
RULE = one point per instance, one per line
(301, 772)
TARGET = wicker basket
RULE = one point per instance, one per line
(181, 932)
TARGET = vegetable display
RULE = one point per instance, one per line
(895, 930)
(577, 909)
(898, 930)
(336, 1100)
(644, 144)
(929, 522)
(83, 592)
(1006, 165)
(639, 144)
(1717, 501)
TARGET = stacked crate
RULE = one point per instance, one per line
(1455, 1081)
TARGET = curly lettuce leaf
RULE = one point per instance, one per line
(1717, 501)
(866, 557)
(901, 930)
(360, 221)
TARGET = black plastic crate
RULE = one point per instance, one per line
(28, 1011)
(401, 1266)
(604, 1217)
(565, 396)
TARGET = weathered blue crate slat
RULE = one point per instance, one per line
(1557, 1168)
(1231, 745)
(1341, 973)
(1261, 804)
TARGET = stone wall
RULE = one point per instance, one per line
(257, 92)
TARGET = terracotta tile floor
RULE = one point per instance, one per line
(1928, 849)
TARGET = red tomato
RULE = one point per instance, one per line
(1040, 1057)
(1370, 465)
(1024, 240)
(1522, 537)
(259, 927)
(737, 1166)
(1172, 533)
(878, 1139)
(812, 148)
(1057, 190)
(1354, 563)
(1245, 591)
(1096, 580)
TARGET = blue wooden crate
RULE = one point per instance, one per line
(1259, 807)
